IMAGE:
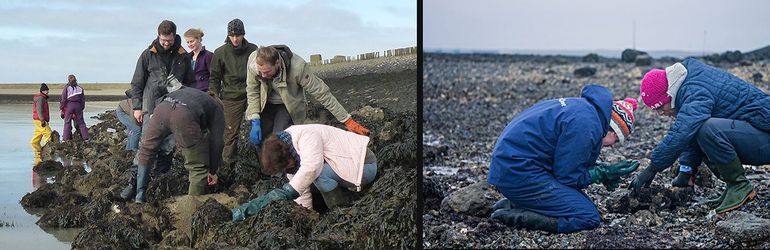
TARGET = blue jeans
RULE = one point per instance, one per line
(133, 130)
(329, 180)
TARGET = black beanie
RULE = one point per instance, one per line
(43, 87)
(235, 27)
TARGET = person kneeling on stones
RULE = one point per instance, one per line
(332, 159)
(548, 153)
(197, 122)
(718, 116)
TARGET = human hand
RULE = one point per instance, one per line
(138, 116)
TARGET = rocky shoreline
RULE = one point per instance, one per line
(468, 100)
(383, 217)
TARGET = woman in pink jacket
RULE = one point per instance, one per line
(334, 160)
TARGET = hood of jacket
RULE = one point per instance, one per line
(601, 98)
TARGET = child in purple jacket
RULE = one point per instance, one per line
(72, 103)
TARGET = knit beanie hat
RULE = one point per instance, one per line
(43, 87)
(622, 121)
(653, 89)
(235, 27)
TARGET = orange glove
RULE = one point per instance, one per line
(354, 127)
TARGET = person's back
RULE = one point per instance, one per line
(198, 102)
(732, 97)
(550, 135)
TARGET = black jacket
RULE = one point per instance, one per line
(152, 69)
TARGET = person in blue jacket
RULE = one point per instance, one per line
(549, 152)
(721, 120)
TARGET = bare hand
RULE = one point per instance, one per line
(213, 180)
(138, 116)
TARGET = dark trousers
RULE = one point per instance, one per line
(722, 140)
(275, 118)
(234, 112)
(546, 196)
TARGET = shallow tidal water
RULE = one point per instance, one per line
(17, 226)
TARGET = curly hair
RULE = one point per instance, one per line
(275, 156)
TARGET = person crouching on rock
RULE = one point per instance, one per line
(548, 153)
(197, 122)
(41, 117)
(334, 160)
(720, 120)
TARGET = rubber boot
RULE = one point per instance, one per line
(716, 200)
(684, 179)
(337, 197)
(142, 178)
(522, 218)
(739, 189)
(129, 192)
(504, 203)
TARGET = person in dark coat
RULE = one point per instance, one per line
(162, 62)
(197, 122)
(228, 82)
(720, 119)
(549, 152)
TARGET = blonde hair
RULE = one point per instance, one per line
(194, 33)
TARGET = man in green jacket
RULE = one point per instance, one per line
(276, 83)
(228, 82)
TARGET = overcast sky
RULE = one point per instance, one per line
(594, 25)
(44, 41)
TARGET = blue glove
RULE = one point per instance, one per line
(255, 136)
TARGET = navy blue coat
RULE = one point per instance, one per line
(553, 140)
(705, 93)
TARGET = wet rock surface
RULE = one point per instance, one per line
(743, 227)
(468, 100)
(476, 199)
(382, 99)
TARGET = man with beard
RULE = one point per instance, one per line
(164, 59)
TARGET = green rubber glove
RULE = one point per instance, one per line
(286, 192)
(609, 174)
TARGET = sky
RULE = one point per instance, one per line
(596, 25)
(44, 41)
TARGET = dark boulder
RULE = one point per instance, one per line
(629, 55)
(591, 57)
(643, 60)
(584, 72)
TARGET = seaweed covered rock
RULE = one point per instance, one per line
(52, 195)
(163, 186)
(75, 215)
(279, 225)
(114, 232)
(207, 216)
(383, 218)
(48, 166)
